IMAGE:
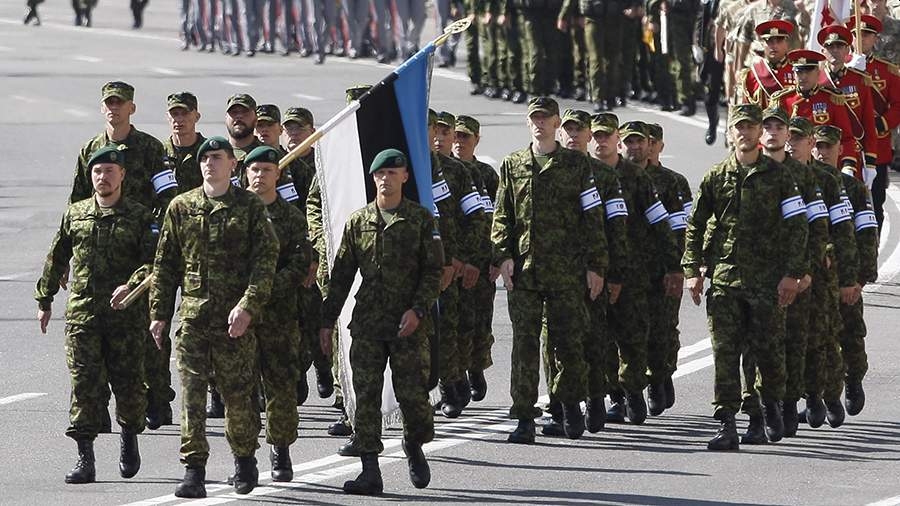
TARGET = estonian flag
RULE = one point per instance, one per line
(392, 114)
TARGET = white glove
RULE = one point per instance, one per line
(869, 177)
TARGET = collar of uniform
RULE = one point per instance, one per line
(223, 201)
(126, 140)
(121, 207)
(374, 214)
(837, 74)
(760, 165)
(778, 64)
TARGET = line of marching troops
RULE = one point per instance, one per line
(786, 232)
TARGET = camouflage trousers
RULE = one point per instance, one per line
(410, 360)
(541, 38)
(280, 370)
(603, 37)
(476, 335)
(744, 319)
(629, 329)
(202, 352)
(824, 367)
(595, 342)
(117, 351)
(493, 60)
(853, 344)
(449, 357)
(567, 322)
(310, 300)
(663, 342)
(157, 373)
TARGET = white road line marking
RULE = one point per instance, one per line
(891, 266)
(236, 83)
(18, 275)
(5, 48)
(21, 397)
(77, 112)
(165, 71)
(885, 233)
(88, 59)
(681, 119)
(695, 348)
(311, 98)
(24, 99)
(128, 34)
(693, 366)
(890, 501)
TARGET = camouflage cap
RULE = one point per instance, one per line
(630, 128)
(214, 143)
(118, 89)
(605, 122)
(581, 118)
(776, 113)
(241, 99)
(432, 117)
(301, 115)
(802, 126)
(388, 158)
(181, 100)
(467, 125)
(446, 119)
(544, 105)
(655, 131)
(268, 112)
(265, 154)
(744, 112)
(108, 154)
(828, 134)
(354, 92)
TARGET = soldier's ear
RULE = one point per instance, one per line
(132, 108)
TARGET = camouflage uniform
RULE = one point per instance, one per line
(742, 301)
(887, 46)
(398, 258)
(224, 250)
(108, 247)
(183, 162)
(541, 212)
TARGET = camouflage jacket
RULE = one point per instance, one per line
(148, 183)
(816, 210)
(841, 234)
(472, 225)
(294, 255)
(446, 211)
(887, 46)
(302, 174)
(107, 248)
(183, 162)
(860, 200)
(225, 251)
(675, 193)
(485, 178)
(616, 223)
(549, 220)
(654, 250)
(761, 228)
(399, 264)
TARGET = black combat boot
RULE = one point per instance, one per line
(216, 407)
(595, 414)
(350, 448)
(129, 455)
(573, 420)
(756, 432)
(727, 437)
(815, 412)
(478, 385)
(636, 408)
(835, 414)
(302, 390)
(282, 468)
(449, 404)
(774, 421)
(84, 470)
(669, 387)
(246, 475)
(555, 426)
(193, 485)
(463, 392)
(524, 433)
(324, 382)
(105, 422)
(160, 415)
(656, 398)
(854, 397)
(616, 411)
(790, 417)
(342, 426)
(419, 472)
(369, 480)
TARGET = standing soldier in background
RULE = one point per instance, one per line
(603, 32)
(492, 48)
(411, 14)
(681, 14)
(712, 69)
(510, 19)
(547, 202)
(325, 17)
(773, 72)
(746, 301)
(473, 55)
(540, 39)
(217, 243)
(663, 80)
(110, 240)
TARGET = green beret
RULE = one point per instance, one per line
(446, 119)
(655, 130)
(776, 113)
(545, 105)
(266, 154)
(388, 158)
(268, 112)
(299, 114)
(118, 89)
(182, 100)
(214, 143)
(744, 112)
(605, 122)
(467, 125)
(581, 118)
(630, 128)
(354, 92)
(108, 154)
(241, 99)
(828, 134)
(432, 117)
(802, 126)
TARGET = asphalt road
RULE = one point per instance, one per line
(51, 78)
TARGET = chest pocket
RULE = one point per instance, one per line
(368, 246)
(399, 240)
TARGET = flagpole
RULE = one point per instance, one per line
(301, 149)
(857, 39)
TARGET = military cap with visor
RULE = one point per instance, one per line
(774, 28)
(181, 100)
(241, 99)
(268, 112)
(630, 128)
(467, 125)
(300, 115)
(581, 118)
(745, 112)
(118, 89)
(545, 105)
(605, 122)
(828, 134)
(108, 154)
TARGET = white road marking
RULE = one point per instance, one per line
(77, 112)
(94, 31)
(693, 366)
(21, 397)
(311, 98)
(693, 349)
(236, 83)
(891, 266)
(18, 275)
(890, 501)
(885, 233)
(24, 99)
(88, 59)
(166, 72)
(5, 48)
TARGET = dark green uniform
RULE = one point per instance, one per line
(183, 162)
(108, 247)
(397, 254)
(540, 38)
(603, 32)
(222, 251)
